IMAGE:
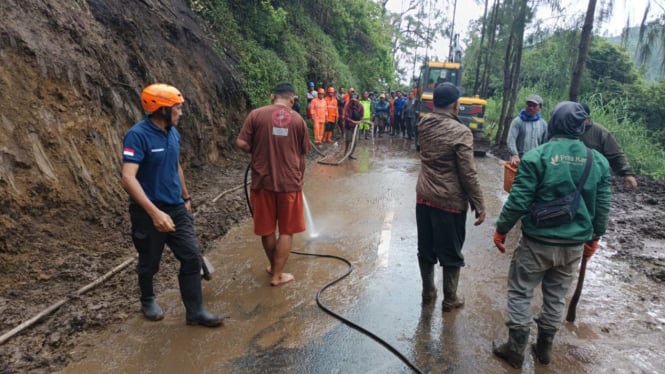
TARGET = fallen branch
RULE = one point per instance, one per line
(57, 305)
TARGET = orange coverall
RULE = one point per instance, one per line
(333, 113)
(319, 110)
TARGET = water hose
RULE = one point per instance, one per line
(325, 308)
(352, 147)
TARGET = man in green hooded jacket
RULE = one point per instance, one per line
(549, 256)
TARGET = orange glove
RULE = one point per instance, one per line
(590, 248)
(499, 240)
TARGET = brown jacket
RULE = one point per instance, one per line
(448, 177)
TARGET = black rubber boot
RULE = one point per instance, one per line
(450, 281)
(192, 297)
(427, 275)
(543, 346)
(150, 309)
(513, 350)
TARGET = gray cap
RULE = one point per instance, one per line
(535, 99)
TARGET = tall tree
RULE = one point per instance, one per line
(582, 53)
(482, 51)
(651, 33)
(511, 67)
(492, 31)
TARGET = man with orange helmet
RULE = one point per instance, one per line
(333, 112)
(160, 205)
(319, 110)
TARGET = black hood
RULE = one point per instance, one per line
(567, 119)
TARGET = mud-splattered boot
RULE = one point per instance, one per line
(450, 281)
(427, 275)
(543, 346)
(513, 350)
(149, 307)
(192, 297)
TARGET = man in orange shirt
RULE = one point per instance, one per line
(319, 112)
(333, 112)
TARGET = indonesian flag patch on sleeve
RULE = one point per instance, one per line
(128, 152)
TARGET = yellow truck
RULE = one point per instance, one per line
(472, 108)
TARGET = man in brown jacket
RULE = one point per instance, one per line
(447, 184)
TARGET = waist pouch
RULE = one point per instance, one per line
(556, 212)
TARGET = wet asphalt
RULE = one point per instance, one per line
(364, 211)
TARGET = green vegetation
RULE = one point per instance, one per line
(620, 99)
(336, 42)
(645, 156)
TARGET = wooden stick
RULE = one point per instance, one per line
(570, 317)
(57, 305)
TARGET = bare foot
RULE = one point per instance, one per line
(284, 278)
(269, 270)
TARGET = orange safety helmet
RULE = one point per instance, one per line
(331, 89)
(321, 91)
(159, 95)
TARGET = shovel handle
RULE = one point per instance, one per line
(570, 317)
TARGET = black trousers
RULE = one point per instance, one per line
(149, 242)
(441, 235)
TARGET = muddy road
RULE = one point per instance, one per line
(363, 210)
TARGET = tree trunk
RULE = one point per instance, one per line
(481, 51)
(487, 64)
(513, 61)
(582, 53)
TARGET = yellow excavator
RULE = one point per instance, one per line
(472, 108)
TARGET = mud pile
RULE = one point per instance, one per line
(71, 73)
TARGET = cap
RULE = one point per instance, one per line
(310, 84)
(354, 96)
(535, 99)
(382, 96)
(445, 94)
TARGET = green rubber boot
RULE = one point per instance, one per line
(450, 281)
(513, 350)
(427, 275)
(543, 346)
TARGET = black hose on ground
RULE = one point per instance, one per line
(325, 308)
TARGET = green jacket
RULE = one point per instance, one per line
(549, 172)
(599, 138)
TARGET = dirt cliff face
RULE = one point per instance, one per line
(71, 73)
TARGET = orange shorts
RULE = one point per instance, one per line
(270, 209)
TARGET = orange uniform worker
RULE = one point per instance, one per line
(319, 110)
(333, 113)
